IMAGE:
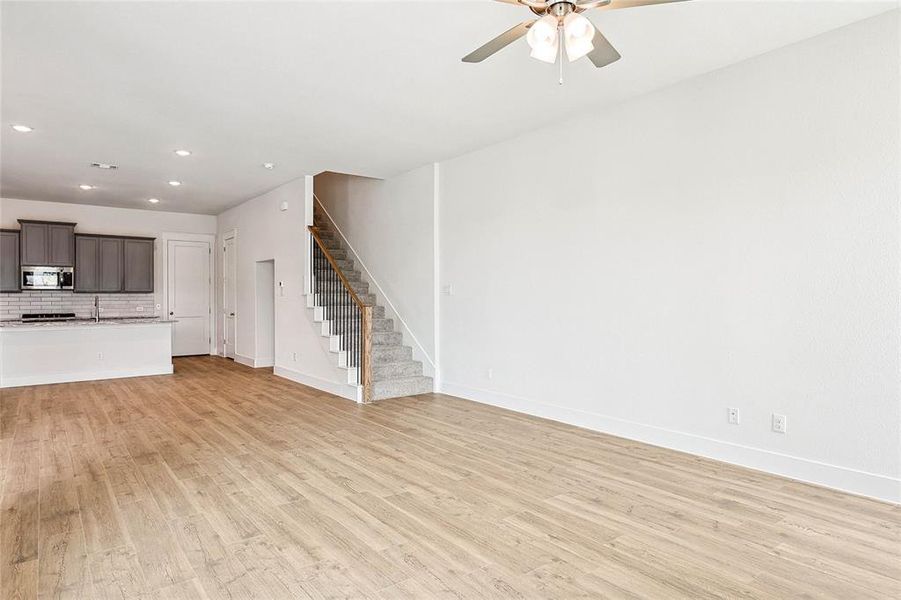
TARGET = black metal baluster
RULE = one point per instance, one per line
(357, 346)
(332, 292)
(343, 330)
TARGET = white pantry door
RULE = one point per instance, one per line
(229, 289)
(189, 296)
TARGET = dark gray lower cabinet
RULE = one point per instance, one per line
(9, 261)
(138, 263)
(113, 264)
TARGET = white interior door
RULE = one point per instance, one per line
(229, 302)
(189, 296)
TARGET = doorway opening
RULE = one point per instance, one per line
(264, 354)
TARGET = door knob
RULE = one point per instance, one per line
(171, 313)
(231, 314)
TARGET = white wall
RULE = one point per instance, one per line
(264, 232)
(729, 241)
(111, 221)
(390, 226)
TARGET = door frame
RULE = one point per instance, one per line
(210, 238)
(231, 234)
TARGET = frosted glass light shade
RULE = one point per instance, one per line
(543, 39)
(577, 35)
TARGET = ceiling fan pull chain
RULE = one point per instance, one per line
(560, 51)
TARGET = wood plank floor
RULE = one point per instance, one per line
(225, 482)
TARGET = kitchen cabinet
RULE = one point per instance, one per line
(109, 268)
(138, 265)
(47, 243)
(9, 260)
(87, 263)
(113, 264)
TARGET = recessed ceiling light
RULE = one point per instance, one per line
(174, 183)
(22, 128)
(87, 187)
(269, 166)
(183, 152)
(153, 200)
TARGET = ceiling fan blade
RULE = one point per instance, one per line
(498, 43)
(616, 4)
(587, 4)
(604, 53)
(539, 4)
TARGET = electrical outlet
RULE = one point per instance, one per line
(100, 355)
(779, 423)
(139, 308)
(447, 290)
(733, 416)
(294, 356)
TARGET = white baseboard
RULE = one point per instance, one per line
(344, 390)
(255, 363)
(853, 481)
(244, 360)
(43, 379)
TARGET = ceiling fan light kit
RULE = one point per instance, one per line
(561, 19)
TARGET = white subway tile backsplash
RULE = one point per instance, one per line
(114, 305)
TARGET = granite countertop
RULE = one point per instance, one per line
(80, 323)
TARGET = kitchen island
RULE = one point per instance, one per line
(83, 350)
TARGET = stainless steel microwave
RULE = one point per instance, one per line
(47, 278)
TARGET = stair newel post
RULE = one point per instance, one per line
(366, 354)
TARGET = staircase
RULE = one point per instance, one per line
(394, 373)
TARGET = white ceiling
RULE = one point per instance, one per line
(371, 88)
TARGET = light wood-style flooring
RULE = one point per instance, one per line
(225, 482)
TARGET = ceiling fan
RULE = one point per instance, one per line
(561, 19)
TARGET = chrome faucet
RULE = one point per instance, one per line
(96, 309)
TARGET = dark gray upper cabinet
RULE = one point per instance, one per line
(60, 245)
(105, 263)
(138, 264)
(9, 261)
(87, 263)
(34, 244)
(110, 265)
(47, 244)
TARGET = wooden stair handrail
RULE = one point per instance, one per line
(365, 318)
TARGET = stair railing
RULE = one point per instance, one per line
(349, 317)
